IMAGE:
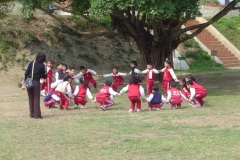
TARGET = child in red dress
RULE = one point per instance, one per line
(80, 94)
(185, 91)
(135, 91)
(150, 77)
(117, 76)
(175, 97)
(104, 96)
(168, 76)
(87, 74)
(198, 92)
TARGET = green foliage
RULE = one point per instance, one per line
(230, 28)
(164, 9)
(191, 43)
(102, 20)
(202, 61)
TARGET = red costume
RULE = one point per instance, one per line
(103, 97)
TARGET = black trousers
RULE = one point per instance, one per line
(34, 100)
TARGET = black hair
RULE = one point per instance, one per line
(190, 82)
(135, 78)
(59, 63)
(155, 88)
(134, 62)
(61, 75)
(173, 84)
(64, 64)
(150, 63)
(108, 83)
(66, 77)
(184, 81)
(82, 67)
(41, 57)
(168, 62)
(71, 68)
(190, 77)
(115, 68)
(83, 82)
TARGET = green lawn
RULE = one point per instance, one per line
(211, 132)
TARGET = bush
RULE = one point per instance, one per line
(191, 43)
(202, 61)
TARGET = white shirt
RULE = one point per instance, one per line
(135, 71)
(56, 83)
(141, 90)
(89, 94)
(88, 70)
(56, 76)
(118, 74)
(171, 72)
(150, 97)
(193, 93)
(69, 91)
(150, 72)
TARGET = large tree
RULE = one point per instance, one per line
(155, 25)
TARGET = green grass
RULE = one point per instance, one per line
(211, 132)
(230, 28)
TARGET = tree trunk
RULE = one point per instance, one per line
(155, 54)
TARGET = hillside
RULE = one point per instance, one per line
(77, 44)
(230, 28)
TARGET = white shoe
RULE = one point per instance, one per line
(196, 105)
(138, 110)
(130, 110)
(158, 109)
(83, 107)
(75, 106)
(103, 108)
(43, 93)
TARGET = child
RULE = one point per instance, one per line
(104, 96)
(117, 76)
(150, 78)
(59, 71)
(80, 94)
(71, 73)
(50, 99)
(64, 92)
(64, 68)
(190, 77)
(155, 99)
(87, 74)
(50, 76)
(134, 69)
(175, 97)
(184, 90)
(135, 90)
(168, 76)
(198, 92)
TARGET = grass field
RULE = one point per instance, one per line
(211, 132)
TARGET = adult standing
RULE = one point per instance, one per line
(39, 71)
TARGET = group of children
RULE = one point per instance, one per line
(62, 90)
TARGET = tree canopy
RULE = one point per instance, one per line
(155, 25)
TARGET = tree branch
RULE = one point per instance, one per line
(222, 13)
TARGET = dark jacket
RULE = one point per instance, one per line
(157, 98)
(39, 71)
